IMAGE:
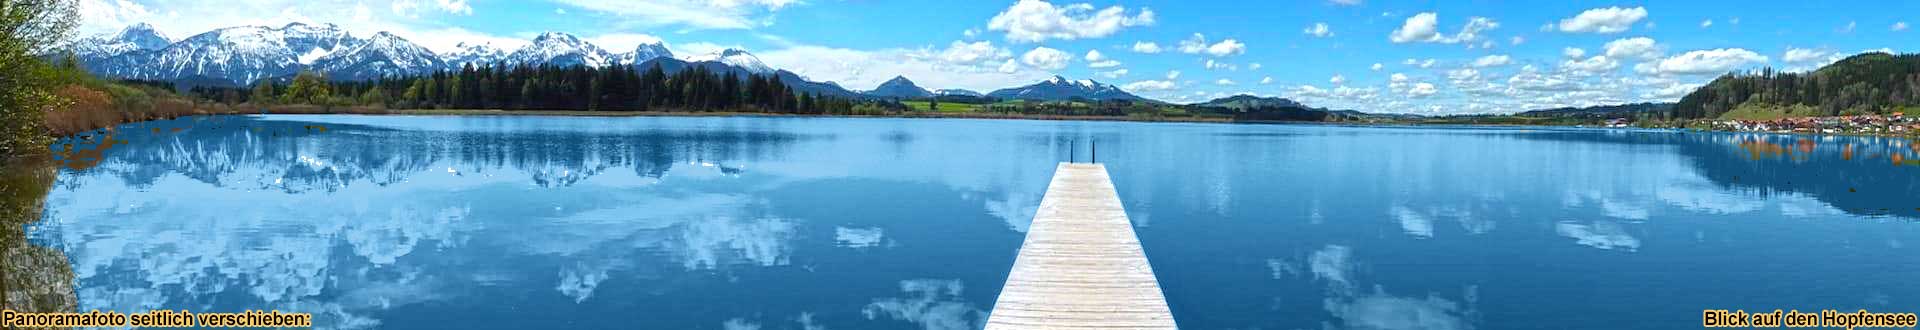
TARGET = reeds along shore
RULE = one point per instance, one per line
(92, 109)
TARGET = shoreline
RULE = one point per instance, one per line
(939, 115)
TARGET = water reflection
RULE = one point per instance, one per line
(932, 304)
(33, 278)
(805, 223)
(383, 222)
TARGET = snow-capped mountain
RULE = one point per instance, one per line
(383, 55)
(899, 87)
(644, 52)
(957, 92)
(139, 37)
(556, 48)
(736, 58)
(474, 54)
(238, 54)
(1060, 89)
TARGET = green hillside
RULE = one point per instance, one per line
(1875, 83)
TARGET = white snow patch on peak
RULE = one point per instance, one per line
(314, 55)
(736, 58)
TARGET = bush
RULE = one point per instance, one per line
(89, 110)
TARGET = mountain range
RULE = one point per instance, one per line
(901, 88)
(1060, 89)
(243, 55)
(240, 56)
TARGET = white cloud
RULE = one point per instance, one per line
(1642, 48)
(1850, 26)
(1198, 44)
(1227, 47)
(1344, 2)
(1046, 58)
(1492, 61)
(622, 42)
(1173, 74)
(1803, 55)
(1463, 75)
(1100, 61)
(1318, 30)
(1266, 80)
(1254, 66)
(1338, 79)
(977, 52)
(1706, 23)
(412, 8)
(1428, 63)
(109, 16)
(1114, 74)
(864, 69)
(720, 14)
(1146, 47)
(1603, 20)
(1420, 27)
(1377, 67)
(1342, 93)
(702, 47)
(1217, 65)
(1036, 21)
(1573, 52)
(1517, 40)
(1424, 27)
(1150, 85)
(1715, 61)
(561, 11)
(1224, 82)
(1421, 90)
(1670, 92)
(1898, 26)
(1595, 64)
(1529, 80)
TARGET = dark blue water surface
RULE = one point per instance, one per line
(390, 222)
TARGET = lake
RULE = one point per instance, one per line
(397, 222)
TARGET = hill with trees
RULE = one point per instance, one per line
(1253, 108)
(1873, 83)
(1630, 110)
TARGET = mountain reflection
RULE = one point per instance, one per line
(387, 222)
(1858, 175)
(700, 223)
(269, 154)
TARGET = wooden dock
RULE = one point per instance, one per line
(1081, 266)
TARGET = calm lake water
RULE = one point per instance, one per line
(390, 222)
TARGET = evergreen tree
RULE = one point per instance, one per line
(262, 92)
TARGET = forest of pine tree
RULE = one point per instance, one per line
(543, 87)
(1873, 83)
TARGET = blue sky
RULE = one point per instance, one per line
(1419, 57)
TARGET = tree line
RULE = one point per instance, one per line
(550, 87)
(1874, 83)
(27, 82)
